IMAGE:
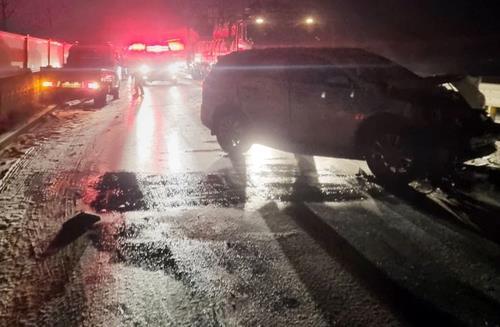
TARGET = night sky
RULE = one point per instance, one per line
(400, 29)
(99, 20)
(381, 19)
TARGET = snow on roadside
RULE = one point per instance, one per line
(36, 197)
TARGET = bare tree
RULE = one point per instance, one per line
(52, 12)
(8, 9)
(42, 17)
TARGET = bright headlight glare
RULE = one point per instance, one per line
(144, 69)
(175, 67)
(171, 68)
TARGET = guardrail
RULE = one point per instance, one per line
(24, 52)
(21, 58)
(19, 96)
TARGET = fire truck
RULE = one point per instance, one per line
(226, 38)
(157, 61)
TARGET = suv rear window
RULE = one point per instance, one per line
(91, 57)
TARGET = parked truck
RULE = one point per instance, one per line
(91, 72)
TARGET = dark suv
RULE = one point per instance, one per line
(343, 102)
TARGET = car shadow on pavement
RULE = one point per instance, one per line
(409, 304)
(469, 200)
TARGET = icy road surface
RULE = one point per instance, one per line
(190, 237)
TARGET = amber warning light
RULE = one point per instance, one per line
(176, 45)
(47, 84)
(170, 45)
(137, 47)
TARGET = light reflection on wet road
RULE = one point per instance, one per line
(192, 237)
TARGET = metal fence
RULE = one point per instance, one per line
(19, 53)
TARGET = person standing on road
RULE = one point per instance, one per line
(138, 84)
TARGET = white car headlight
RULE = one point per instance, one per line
(175, 67)
(144, 69)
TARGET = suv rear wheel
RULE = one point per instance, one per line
(100, 100)
(232, 135)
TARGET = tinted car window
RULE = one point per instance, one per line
(385, 73)
(260, 64)
(337, 78)
(318, 73)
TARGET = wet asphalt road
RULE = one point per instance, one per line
(190, 237)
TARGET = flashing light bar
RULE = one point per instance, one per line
(172, 45)
(157, 48)
(47, 84)
(137, 47)
(176, 45)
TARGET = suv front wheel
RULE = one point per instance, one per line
(232, 134)
(391, 157)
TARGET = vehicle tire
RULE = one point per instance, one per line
(115, 93)
(100, 100)
(391, 155)
(232, 135)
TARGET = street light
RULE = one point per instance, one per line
(259, 21)
(310, 21)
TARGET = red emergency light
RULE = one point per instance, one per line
(137, 47)
(176, 45)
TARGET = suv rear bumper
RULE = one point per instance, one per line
(62, 94)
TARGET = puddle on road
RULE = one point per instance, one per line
(118, 192)
(124, 191)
